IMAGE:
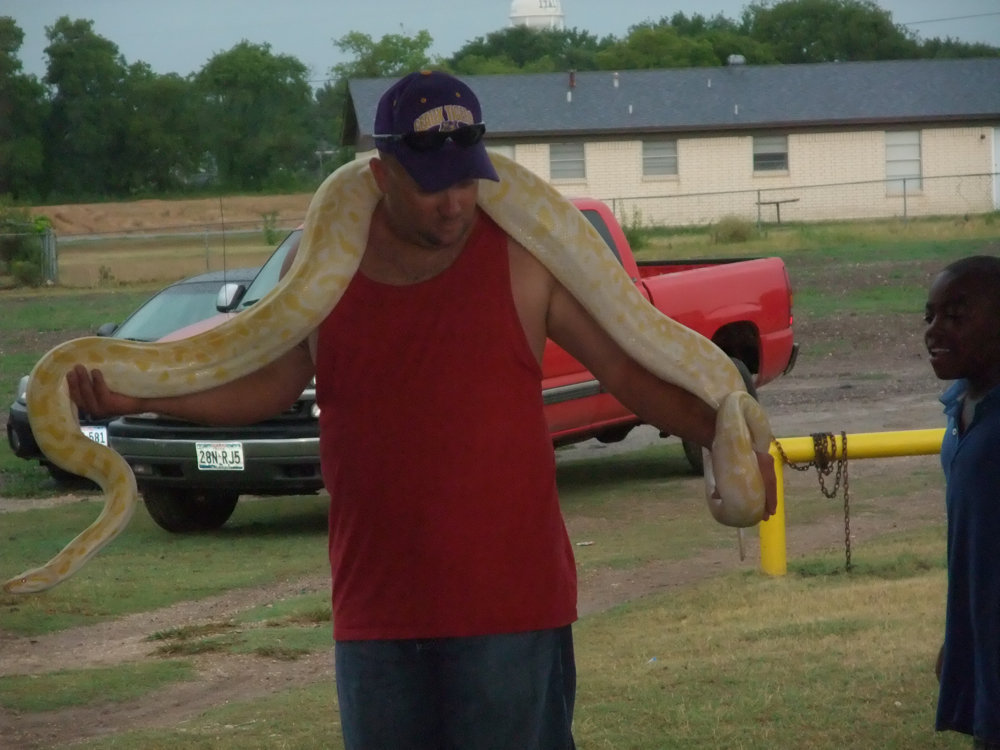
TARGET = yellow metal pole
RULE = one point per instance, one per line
(773, 548)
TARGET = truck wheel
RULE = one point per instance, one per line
(61, 476)
(692, 451)
(67, 480)
(180, 511)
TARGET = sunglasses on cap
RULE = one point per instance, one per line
(433, 140)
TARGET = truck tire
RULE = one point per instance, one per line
(61, 476)
(692, 451)
(181, 511)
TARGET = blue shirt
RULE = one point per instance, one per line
(969, 699)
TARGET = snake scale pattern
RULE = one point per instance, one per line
(333, 241)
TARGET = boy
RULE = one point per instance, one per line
(963, 339)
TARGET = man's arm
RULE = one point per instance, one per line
(655, 401)
(252, 398)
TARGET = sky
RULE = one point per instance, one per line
(180, 36)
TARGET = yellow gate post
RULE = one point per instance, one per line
(773, 548)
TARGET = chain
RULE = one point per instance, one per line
(824, 452)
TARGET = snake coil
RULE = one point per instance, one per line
(333, 241)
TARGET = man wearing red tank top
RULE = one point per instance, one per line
(454, 586)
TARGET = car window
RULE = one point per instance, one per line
(270, 272)
(175, 307)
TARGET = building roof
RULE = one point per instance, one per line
(735, 97)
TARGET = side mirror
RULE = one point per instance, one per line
(229, 296)
(107, 329)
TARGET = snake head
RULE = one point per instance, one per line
(29, 582)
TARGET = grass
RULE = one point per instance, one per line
(146, 568)
(816, 659)
(802, 661)
(819, 658)
(158, 260)
(82, 687)
(860, 241)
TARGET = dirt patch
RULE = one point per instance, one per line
(150, 216)
(874, 378)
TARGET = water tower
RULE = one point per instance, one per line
(536, 14)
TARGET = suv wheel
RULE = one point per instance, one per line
(180, 510)
(692, 451)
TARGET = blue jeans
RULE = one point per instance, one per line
(503, 692)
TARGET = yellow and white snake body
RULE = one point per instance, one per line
(334, 238)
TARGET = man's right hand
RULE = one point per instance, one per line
(90, 392)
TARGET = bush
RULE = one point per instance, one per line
(21, 245)
(636, 234)
(731, 229)
(27, 273)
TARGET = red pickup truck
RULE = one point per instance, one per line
(191, 476)
(744, 306)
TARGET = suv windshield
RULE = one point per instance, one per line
(269, 273)
(175, 307)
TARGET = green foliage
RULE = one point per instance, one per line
(250, 120)
(730, 229)
(635, 231)
(23, 111)
(21, 246)
(649, 47)
(271, 231)
(27, 272)
(519, 48)
(391, 56)
(87, 74)
(812, 31)
(255, 120)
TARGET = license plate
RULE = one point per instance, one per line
(219, 456)
(97, 434)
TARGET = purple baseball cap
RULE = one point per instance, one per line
(432, 123)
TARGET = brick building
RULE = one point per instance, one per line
(795, 142)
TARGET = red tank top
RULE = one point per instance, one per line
(444, 516)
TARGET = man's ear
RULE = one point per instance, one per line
(379, 172)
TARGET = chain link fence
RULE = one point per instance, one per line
(30, 258)
(951, 195)
(199, 247)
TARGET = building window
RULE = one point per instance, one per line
(770, 153)
(659, 158)
(902, 161)
(506, 149)
(566, 161)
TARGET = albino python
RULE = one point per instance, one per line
(334, 237)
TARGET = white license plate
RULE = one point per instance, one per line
(219, 456)
(97, 434)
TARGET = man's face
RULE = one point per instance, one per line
(431, 220)
(963, 330)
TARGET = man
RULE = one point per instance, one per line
(454, 585)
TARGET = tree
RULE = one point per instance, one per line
(392, 56)
(162, 140)
(85, 132)
(519, 48)
(22, 114)
(724, 35)
(953, 49)
(255, 116)
(657, 46)
(813, 31)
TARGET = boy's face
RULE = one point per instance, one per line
(963, 331)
